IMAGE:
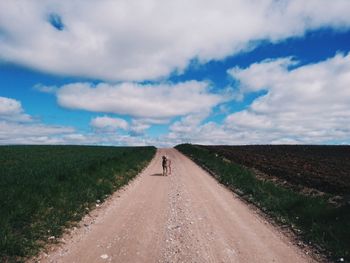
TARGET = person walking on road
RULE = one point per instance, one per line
(165, 166)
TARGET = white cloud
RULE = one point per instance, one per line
(29, 133)
(138, 40)
(109, 124)
(138, 127)
(204, 133)
(308, 104)
(11, 110)
(18, 127)
(45, 89)
(186, 125)
(104, 139)
(302, 104)
(152, 102)
(9, 106)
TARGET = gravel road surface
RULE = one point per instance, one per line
(184, 217)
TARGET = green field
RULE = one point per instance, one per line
(312, 218)
(44, 189)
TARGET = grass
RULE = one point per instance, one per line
(43, 189)
(312, 217)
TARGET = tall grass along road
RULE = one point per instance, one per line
(184, 217)
(44, 189)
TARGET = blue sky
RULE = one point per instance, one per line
(175, 73)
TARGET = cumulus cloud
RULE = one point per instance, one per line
(9, 106)
(189, 123)
(139, 40)
(152, 102)
(307, 104)
(109, 124)
(18, 127)
(11, 110)
(59, 135)
(30, 133)
(301, 104)
(138, 127)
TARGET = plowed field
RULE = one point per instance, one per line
(325, 168)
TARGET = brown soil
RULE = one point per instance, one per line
(184, 217)
(323, 168)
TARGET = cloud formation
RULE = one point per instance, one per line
(304, 105)
(11, 110)
(300, 104)
(27, 133)
(144, 40)
(106, 123)
(308, 104)
(18, 127)
(152, 102)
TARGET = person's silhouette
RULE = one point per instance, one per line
(165, 167)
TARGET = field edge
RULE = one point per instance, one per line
(108, 174)
(263, 195)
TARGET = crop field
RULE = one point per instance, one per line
(325, 168)
(312, 218)
(46, 188)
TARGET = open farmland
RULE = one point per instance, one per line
(312, 217)
(325, 168)
(45, 188)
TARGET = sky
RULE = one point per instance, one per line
(161, 72)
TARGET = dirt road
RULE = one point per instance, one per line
(184, 217)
